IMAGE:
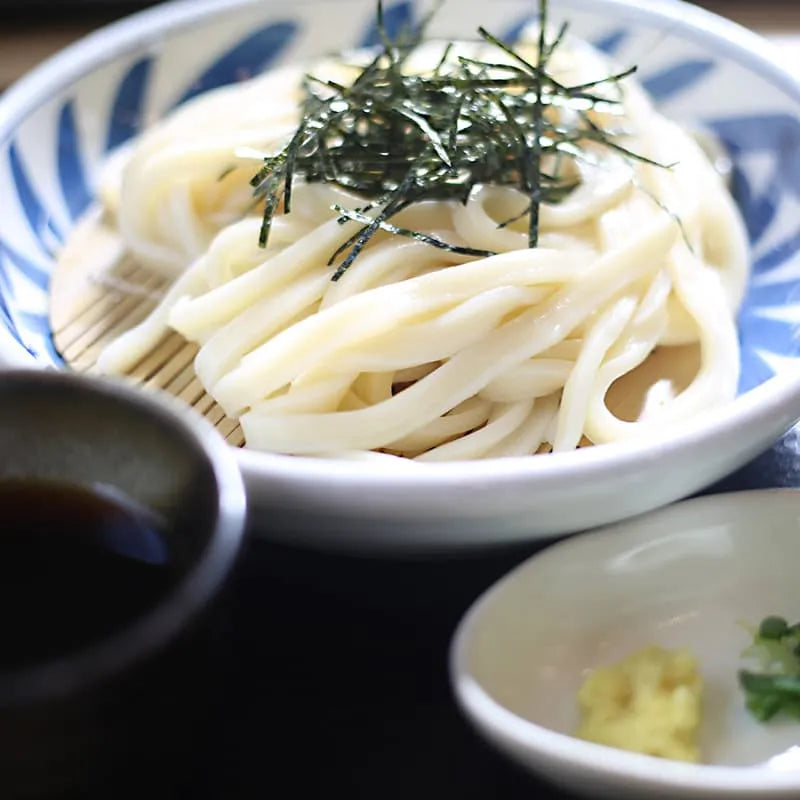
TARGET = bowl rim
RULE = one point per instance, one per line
(768, 400)
(188, 596)
(498, 722)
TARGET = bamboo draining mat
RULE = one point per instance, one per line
(97, 293)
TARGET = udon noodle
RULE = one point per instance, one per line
(416, 351)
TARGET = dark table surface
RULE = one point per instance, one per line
(336, 673)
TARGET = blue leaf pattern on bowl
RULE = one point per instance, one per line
(779, 255)
(676, 79)
(127, 110)
(762, 133)
(611, 42)
(7, 295)
(395, 18)
(39, 218)
(71, 173)
(762, 335)
(246, 59)
(40, 324)
(33, 273)
(758, 210)
(515, 30)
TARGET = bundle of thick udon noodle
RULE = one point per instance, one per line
(425, 351)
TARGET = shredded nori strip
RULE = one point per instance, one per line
(398, 138)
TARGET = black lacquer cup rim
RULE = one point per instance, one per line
(194, 590)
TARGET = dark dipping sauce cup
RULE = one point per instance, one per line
(103, 697)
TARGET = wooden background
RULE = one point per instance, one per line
(27, 37)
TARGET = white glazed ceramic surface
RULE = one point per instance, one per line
(58, 124)
(685, 576)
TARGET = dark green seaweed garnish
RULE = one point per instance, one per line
(399, 138)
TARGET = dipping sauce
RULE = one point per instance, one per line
(76, 565)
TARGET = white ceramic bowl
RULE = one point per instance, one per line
(685, 576)
(57, 125)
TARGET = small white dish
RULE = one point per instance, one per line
(58, 125)
(685, 576)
